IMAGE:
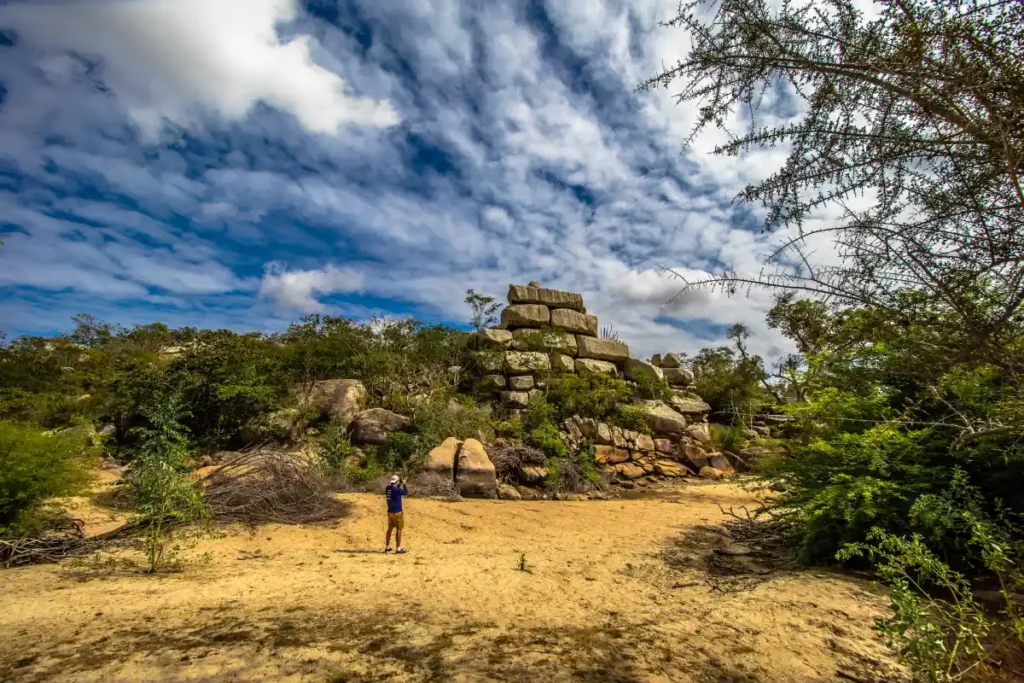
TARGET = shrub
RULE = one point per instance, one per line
(33, 467)
(631, 417)
(577, 473)
(334, 448)
(725, 437)
(509, 459)
(588, 395)
(653, 388)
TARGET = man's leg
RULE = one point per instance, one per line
(387, 542)
(399, 525)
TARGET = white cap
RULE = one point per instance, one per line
(394, 479)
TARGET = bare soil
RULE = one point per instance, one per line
(612, 591)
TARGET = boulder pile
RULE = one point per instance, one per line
(542, 331)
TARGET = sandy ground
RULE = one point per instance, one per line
(613, 591)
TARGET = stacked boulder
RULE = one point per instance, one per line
(672, 370)
(542, 331)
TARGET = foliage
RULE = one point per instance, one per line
(33, 467)
(586, 394)
(943, 638)
(485, 309)
(725, 437)
(915, 106)
(631, 417)
(730, 380)
(576, 472)
(653, 388)
(509, 459)
(334, 448)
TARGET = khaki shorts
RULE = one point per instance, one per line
(395, 521)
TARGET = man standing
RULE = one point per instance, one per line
(393, 494)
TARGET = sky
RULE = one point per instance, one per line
(240, 163)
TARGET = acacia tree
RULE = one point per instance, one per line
(921, 109)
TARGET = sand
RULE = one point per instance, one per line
(612, 591)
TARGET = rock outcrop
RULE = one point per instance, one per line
(544, 331)
(339, 399)
(441, 459)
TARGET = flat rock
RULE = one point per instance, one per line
(699, 432)
(574, 321)
(526, 362)
(609, 455)
(710, 473)
(493, 338)
(668, 468)
(599, 366)
(557, 298)
(601, 349)
(693, 454)
(492, 382)
(689, 406)
(525, 315)
(491, 361)
(645, 443)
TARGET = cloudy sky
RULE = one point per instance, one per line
(237, 163)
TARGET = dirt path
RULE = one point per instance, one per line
(598, 603)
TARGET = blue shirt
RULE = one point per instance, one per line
(393, 494)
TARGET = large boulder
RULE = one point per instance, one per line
(492, 338)
(525, 315)
(720, 462)
(441, 459)
(693, 455)
(601, 349)
(475, 472)
(279, 426)
(522, 294)
(680, 377)
(492, 382)
(557, 298)
(491, 361)
(544, 340)
(609, 455)
(339, 399)
(526, 362)
(574, 321)
(636, 369)
(689, 406)
(671, 360)
(669, 468)
(375, 425)
(562, 363)
(599, 366)
(663, 420)
(628, 470)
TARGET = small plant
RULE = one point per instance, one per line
(484, 309)
(609, 332)
(631, 417)
(521, 565)
(725, 437)
(334, 448)
(163, 495)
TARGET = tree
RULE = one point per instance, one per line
(921, 110)
(485, 309)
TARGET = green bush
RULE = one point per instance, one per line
(34, 467)
(334, 448)
(725, 437)
(631, 417)
(587, 394)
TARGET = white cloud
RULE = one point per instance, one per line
(295, 288)
(161, 58)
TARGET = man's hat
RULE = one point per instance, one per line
(395, 479)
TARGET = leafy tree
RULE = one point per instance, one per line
(920, 109)
(485, 309)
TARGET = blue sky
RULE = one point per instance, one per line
(237, 163)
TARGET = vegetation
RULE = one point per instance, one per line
(34, 467)
(908, 392)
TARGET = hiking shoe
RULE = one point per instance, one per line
(388, 549)
(400, 551)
